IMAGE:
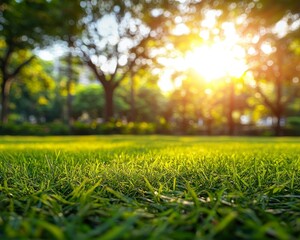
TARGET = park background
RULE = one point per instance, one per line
(178, 67)
(140, 67)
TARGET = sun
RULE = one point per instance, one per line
(218, 58)
(213, 62)
(217, 61)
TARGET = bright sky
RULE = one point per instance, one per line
(49, 54)
(214, 59)
(46, 55)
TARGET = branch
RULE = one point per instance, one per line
(98, 72)
(19, 68)
(291, 96)
(113, 76)
(116, 84)
(265, 99)
(137, 55)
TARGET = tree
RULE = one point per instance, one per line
(67, 28)
(118, 39)
(271, 33)
(32, 92)
(261, 24)
(27, 24)
(88, 100)
(23, 25)
(68, 66)
(279, 71)
(149, 101)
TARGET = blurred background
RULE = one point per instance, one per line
(199, 67)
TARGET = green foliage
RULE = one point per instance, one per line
(117, 127)
(24, 23)
(78, 128)
(25, 129)
(294, 121)
(37, 77)
(17, 126)
(33, 92)
(66, 16)
(150, 104)
(88, 99)
(295, 46)
(149, 187)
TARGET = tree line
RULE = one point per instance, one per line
(120, 44)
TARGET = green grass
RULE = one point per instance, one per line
(149, 187)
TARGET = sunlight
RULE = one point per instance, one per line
(46, 55)
(216, 61)
(165, 84)
(219, 56)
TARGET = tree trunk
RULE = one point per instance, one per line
(69, 83)
(278, 130)
(184, 121)
(132, 99)
(5, 88)
(7, 79)
(230, 120)
(279, 81)
(278, 107)
(208, 126)
(109, 104)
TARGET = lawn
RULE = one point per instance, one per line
(149, 187)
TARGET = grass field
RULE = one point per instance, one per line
(149, 187)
